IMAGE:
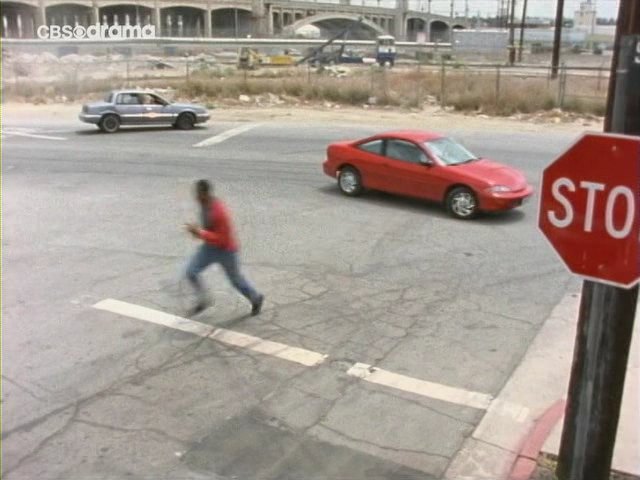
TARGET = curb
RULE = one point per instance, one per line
(527, 459)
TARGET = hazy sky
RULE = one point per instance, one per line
(536, 8)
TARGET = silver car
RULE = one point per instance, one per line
(141, 107)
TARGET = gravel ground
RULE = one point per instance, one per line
(547, 466)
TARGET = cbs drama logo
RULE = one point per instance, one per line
(95, 32)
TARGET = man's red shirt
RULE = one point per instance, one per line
(220, 229)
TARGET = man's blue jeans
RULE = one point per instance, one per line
(207, 255)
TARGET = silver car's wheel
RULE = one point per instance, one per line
(109, 124)
(350, 182)
(462, 203)
(185, 121)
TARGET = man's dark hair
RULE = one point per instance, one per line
(203, 186)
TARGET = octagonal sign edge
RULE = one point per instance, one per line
(589, 208)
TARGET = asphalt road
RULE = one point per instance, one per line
(381, 280)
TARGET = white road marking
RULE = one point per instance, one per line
(226, 135)
(421, 387)
(228, 337)
(309, 358)
(30, 135)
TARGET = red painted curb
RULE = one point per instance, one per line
(525, 463)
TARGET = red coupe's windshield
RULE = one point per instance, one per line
(449, 151)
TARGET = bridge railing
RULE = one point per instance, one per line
(200, 41)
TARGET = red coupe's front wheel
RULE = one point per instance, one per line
(462, 203)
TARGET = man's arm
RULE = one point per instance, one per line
(209, 236)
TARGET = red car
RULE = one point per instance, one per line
(426, 165)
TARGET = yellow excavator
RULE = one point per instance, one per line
(250, 59)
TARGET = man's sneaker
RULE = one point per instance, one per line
(199, 308)
(257, 305)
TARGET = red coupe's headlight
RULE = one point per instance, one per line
(499, 189)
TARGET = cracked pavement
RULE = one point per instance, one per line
(382, 280)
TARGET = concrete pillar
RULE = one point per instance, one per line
(207, 22)
(95, 14)
(270, 21)
(40, 18)
(19, 27)
(157, 19)
(400, 24)
(260, 22)
(40, 15)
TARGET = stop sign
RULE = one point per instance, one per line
(589, 208)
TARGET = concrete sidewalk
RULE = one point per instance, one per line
(626, 456)
(533, 395)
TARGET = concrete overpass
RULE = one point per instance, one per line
(227, 18)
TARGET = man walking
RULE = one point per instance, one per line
(219, 246)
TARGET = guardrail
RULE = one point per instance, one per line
(231, 42)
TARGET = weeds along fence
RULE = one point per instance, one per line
(492, 89)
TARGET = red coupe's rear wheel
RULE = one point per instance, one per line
(350, 181)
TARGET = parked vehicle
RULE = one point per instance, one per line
(386, 50)
(426, 165)
(141, 107)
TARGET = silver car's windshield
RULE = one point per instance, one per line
(160, 99)
(109, 97)
(449, 151)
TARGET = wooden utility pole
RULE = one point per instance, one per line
(605, 324)
(557, 39)
(512, 32)
(523, 24)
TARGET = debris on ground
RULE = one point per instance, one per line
(547, 466)
(337, 71)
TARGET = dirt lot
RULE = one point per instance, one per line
(429, 118)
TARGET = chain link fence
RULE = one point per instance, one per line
(488, 88)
